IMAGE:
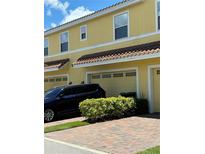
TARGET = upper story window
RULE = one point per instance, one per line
(64, 42)
(45, 47)
(83, 32)
(158, 14)
(121, 26)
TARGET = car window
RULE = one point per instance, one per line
(52, 92)
(92, 87)
(80, 89)
(67, 91)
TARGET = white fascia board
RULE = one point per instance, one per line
(51, 69)
(156, 55)
(95, 15)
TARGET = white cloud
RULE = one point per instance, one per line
(58, 5)
(53, 25)
(49, 13)
(76, 13)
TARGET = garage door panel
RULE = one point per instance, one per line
(51, 82)
(117, 83)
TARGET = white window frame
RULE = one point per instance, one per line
(128, 25)
(60, 41)
(48, 45)
(86, 33)
(156, 16)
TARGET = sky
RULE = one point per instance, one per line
(57, 12)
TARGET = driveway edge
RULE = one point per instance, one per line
(76, 146)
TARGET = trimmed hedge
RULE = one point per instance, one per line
(107, 108)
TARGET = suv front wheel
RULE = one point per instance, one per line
(49, 115)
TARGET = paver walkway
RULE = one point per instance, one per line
(63, 121)
(123, 136)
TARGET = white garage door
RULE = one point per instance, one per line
(51, 82)
(115, 83)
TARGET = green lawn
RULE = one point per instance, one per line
(65, 126)
(155, 150)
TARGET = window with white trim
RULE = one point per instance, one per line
(64, 42)
(45, 47)
(121, 26)
(158, 14)
(83, 32)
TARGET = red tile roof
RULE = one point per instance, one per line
(133, 51)
(58, 64)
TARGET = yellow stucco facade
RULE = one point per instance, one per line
(142, 29)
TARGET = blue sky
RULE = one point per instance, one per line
(57, 12)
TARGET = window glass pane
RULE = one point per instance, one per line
(52, 80)
(83, 29)
(83, 36)
(64, 46)
(121, 32)
(45, 51)
(118, 75)
(64, 37)
(121, 20)
(83, 32)
(96, 76)
(130, 74)
(45, 43)
(78, 90)
(158, 7)
(106, 76)
(64, 78)
(68, 91)
(158, 13)
(58, 79)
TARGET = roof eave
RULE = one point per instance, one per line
(134, 58)
(95, 15)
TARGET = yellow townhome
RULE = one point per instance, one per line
(117, 47)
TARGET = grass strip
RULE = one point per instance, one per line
(65, 126)
(155, 150)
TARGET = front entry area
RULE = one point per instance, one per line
(115, 82)
(156, 91)
(154, 88)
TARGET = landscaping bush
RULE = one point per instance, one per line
(107, 108)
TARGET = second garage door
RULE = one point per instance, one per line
(52, 82)
(115, 83)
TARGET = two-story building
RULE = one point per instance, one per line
(117, 47)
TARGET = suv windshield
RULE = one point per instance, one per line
(52, 92)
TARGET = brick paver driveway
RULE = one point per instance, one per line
(123, 136)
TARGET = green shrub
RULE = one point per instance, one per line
(105, 108)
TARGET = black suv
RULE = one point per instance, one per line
(66, 99)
